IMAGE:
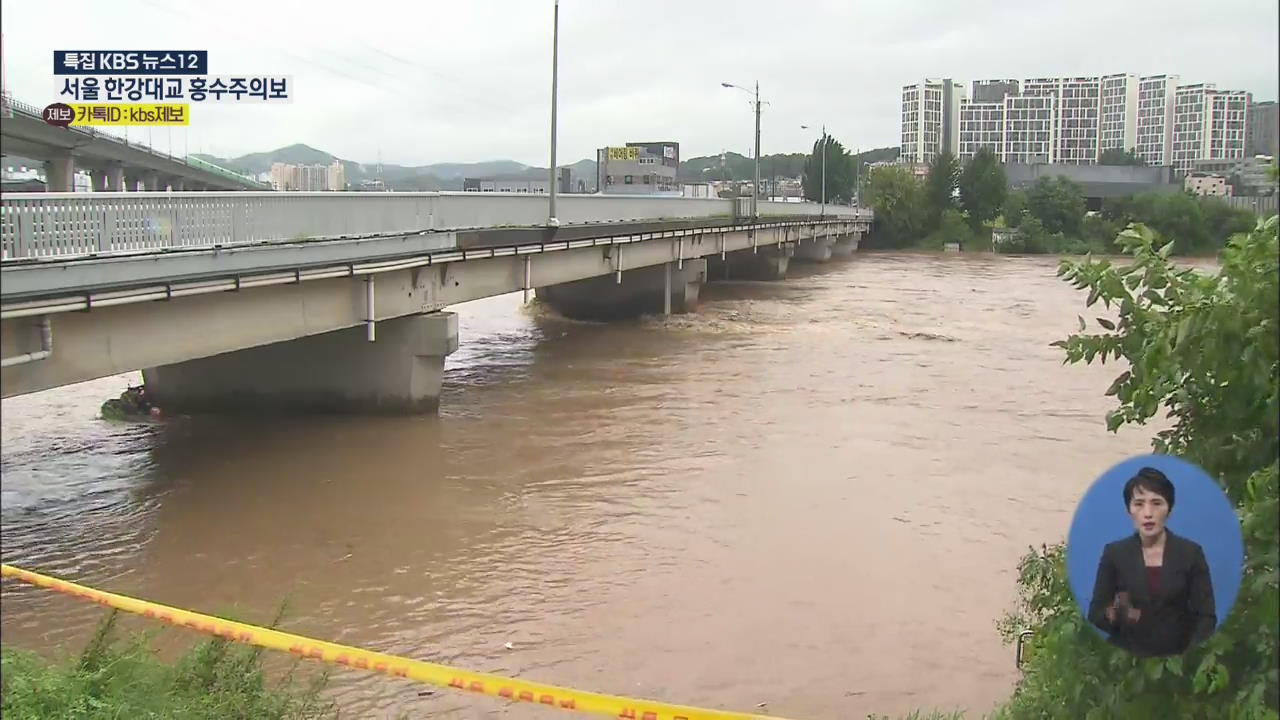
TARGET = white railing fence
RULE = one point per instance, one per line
(67, 225)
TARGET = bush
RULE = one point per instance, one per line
(114, 678)
(1196, 225)
(952, 228)
(1031, 237)
(1203, 347)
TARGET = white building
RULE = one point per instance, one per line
(1208, 123)
(930, 119)
(1206, 185)
(1156, 95)
(1119, 128)
(1029, 135)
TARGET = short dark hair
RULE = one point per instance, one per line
(1151, 480)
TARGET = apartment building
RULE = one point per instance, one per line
(1119, 128)
(1262, 131)
(1156, 95)
(308, 178)
(930, 119)
(1208, 123)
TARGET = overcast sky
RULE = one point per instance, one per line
(428, 81)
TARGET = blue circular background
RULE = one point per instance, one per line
(1201, 512)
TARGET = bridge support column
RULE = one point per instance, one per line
(115, 178)
(99, 178)
(335, 372)
(177, 185)
(845, 245)
(60, 173)
(151, 181)
(817, 249)
(641, 291)
(766, 263)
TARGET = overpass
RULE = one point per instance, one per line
(113, 163)
(335, 301)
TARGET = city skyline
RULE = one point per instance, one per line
(447, 83)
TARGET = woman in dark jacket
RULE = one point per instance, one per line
(1153, 594)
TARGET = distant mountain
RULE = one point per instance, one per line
(741, 167)
(438, 176)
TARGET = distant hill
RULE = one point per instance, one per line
(741, 167)
(438, 176)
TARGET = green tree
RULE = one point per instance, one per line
(898, 199)
(1058, 203)
(1116, 156)
(1196, 225)
(983, 187)
(1015, 208)
(839, 172)
(952, 228)
(1201, 349)
(940, 186)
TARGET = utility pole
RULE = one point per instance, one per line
(552, 221)
(755, 210)
(824, 170)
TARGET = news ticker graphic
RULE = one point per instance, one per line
(511, 689)
(154, 82)
(65, 115)
(131, 62)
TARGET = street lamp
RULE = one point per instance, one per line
(755, 188)
(824, 166)
(555, 57)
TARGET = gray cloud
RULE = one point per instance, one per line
(457, 81)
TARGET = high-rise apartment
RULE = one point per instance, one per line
(1030, 129)
(930, 119)
(1119, 129)
(1074, 120)
(1262, 131)
(1208, 123)
(1156, 95)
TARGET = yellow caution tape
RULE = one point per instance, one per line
(424, 672)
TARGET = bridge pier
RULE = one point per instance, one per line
(845, 245)
(115, 178)
(818, 249)
(60, 173)
(333, 372)
(641, 291)
(99, 178)
(769, 262)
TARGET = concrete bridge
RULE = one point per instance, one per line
(113, 163)
(335, 301)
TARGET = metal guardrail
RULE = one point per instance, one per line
(70, 225)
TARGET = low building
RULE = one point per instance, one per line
(1205, 184)
(639, 169)
(504, 186)
(1247, 176)
(1096, 181)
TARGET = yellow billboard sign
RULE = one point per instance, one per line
(624, 153)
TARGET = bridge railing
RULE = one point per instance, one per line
(67, 225)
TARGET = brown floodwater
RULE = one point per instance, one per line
(811, 494)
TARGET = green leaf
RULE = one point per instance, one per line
(1115, 385)
(1082, 325)
(1106, 323)
(1174, 665)
(1154, 669)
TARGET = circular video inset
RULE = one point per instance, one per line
(1155, 555)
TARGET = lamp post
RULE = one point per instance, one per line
(555, 57)
(824, 166)
(755, 188)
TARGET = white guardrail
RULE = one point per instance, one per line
(69, 225)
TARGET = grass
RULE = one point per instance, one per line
(116, 678)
